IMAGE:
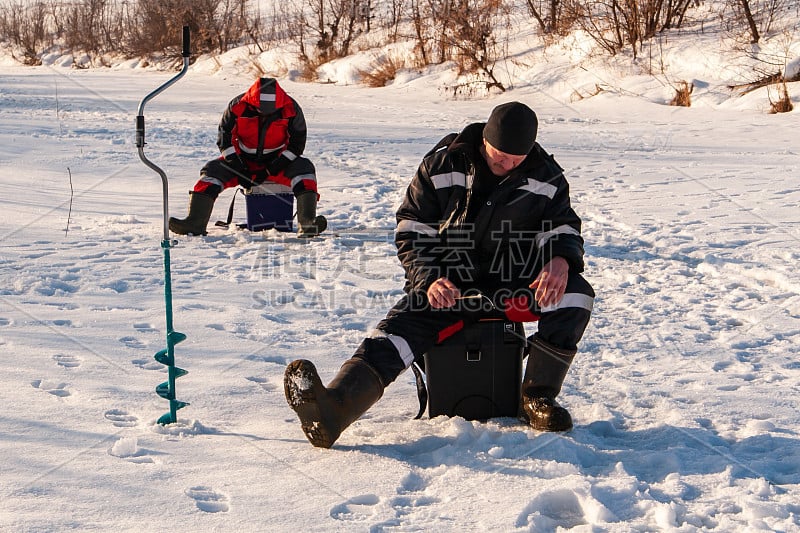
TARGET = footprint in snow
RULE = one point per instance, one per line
(121, 418)
(551, 511)
(356, 508)
(5, 321)
(144, 327)
(148, 364)
(274, 318)
(410, 494)
(52, 387)
(276, 359)
(208, 500)
(132, 342)
(68, 361)
(263, 383)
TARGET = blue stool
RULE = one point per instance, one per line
(269, 205)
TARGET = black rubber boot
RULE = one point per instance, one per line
(325, 412)
(200, 206)
(547, 367)
(310, 225)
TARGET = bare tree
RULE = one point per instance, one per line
(614, 24)
(751, 22)
(472, 41)
(334, 24)
(550, 15)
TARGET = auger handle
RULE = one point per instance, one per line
(186, 52)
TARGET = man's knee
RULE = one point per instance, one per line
(564, 326)
(384, 355)
(300, 166)
(578, 284)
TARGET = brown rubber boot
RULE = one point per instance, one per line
(310, 225)
(547, 367)
(200, 206)
(325, 412)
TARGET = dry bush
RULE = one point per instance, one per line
(257, 69)
(783, 104)
(683, 93)
(144, 28)
(91, 26)
(577, 96)
(27, 26)
(473, 87)
(383, 71)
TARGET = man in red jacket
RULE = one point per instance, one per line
(262, 135)
(488, 210)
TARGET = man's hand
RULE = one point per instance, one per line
(231, 157)
(260, 176)
(551, 282)
(442, 293)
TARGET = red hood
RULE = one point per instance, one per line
(268, 96)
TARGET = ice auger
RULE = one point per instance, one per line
(166, 356)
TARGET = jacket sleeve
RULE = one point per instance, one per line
(297, 141)
(560, 234)
(225, 129)
(417, 234)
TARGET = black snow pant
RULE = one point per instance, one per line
(412, 327)
(218, 175)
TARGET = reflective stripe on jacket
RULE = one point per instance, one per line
(526, 220)
(262, 124)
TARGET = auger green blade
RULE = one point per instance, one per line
(162, 356)
(167, 418)
(175, 337)
(162, 389)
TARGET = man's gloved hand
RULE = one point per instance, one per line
(277, 165)
(260, 176)
(233, 160)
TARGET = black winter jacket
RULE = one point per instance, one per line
(526, 220)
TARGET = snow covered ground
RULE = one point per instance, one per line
(684, 395)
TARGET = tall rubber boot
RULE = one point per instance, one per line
(310, 224)
(200, 206)
(547, 367)
(325, 412)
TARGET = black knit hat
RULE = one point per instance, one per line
(511, 128)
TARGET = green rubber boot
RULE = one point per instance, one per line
(200, 206)
(310, 224)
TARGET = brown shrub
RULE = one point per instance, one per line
(783, 104)
(683, 94)
(383, 72)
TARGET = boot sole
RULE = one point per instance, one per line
(301, 384)
(320, 225)
(177, 226)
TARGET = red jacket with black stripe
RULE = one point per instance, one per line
(264, 126)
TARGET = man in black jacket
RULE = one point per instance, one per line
(487, 212)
